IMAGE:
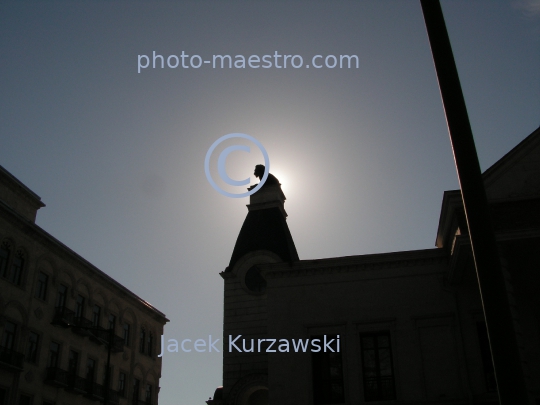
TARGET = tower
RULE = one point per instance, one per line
(264, 238)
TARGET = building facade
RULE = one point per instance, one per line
(63, 321)
(405, 327)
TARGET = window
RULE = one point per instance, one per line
(377, 368)
(142, 340)
(110, 376)
(126, 334)
(90, 371)
(485, 352)
(122, 384)
(79, 306)
(136, 389)
(33, 342)
(4, 258)
(112, 322)
(8, 338)
(16, 268)
(96, 315)
(150, 343)
(61, 296)
(73, 362)
(54, 350)
(3, 396)
(41, 288)
(254, 281)
(327, 375)
(148, 394)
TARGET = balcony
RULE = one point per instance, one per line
(117, 344)
(73, 383)
(76, 384)
(100, 335)
(141, 402)
(94, 391)
(81, 326)
(67, 318)
(114, 397)
(57, 377)
(63, 317)
(11, 360)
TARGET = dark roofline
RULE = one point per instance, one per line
(65, 249)
(379, 260)
(451, 201)
(520, 148)
(20, 184)
(450, 197)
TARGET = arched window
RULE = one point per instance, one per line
(150, 343)
(41, 287)
(79, 307)
(254, 281)
(96, 316)
(136, 390)
(4, 258)
(61, 296)
(142, 340)
(17, 268)
(126, 329)
(8, 337)
(148, 394)
(112, 322)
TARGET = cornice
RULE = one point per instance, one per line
(462, 253)
(511, 158)
(451, 201)
(350, 264)
(58, 248)
(18, 186)
(227, 275)
(505, 214)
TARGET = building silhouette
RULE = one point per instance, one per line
(62, 320)
(410, 324)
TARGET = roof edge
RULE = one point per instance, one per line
(491, 173)
(15, 181)
(379, 259)
(75, 256)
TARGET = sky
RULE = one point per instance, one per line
(116, 152)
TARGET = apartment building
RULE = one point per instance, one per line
(69, 333)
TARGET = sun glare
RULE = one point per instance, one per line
(284, 179)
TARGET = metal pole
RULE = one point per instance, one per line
(108, 371)
(491, 280)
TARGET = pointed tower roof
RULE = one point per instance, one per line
(265, 227)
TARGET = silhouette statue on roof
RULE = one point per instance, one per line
(270, 180)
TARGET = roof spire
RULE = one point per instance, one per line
(265, 226)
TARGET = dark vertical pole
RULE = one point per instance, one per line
(108, 371)
(499, 320)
